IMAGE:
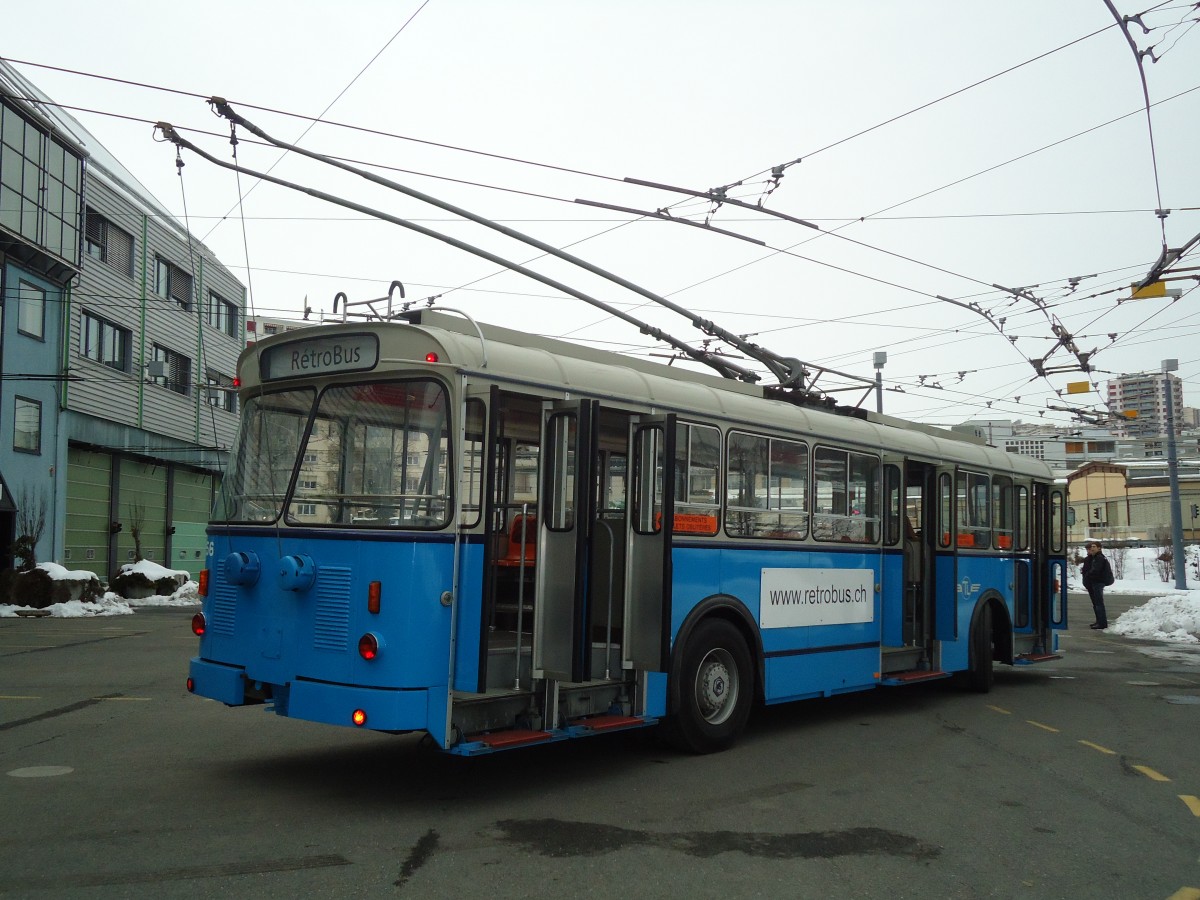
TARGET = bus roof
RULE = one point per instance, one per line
(522, 358)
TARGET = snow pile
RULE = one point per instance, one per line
(188, 595)
(110, 604)
(1175, 617)
(59, 573)
(152, 570)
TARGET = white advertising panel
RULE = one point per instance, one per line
(791, 597)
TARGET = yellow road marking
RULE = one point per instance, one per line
(1000, 710)
(1186, 893)
(1040, 725)
(1151, 774)
(1192, 803)
(1098, 747)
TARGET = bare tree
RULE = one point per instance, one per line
(137, 522)
(1118, 556)
(1163, 562)
(31, 525)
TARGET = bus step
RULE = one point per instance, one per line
(1028, 659)
(913, 676)
(607, 722)
(514, 737)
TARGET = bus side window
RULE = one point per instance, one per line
(891, 512)
(1002, 512)
(1057, 520)
(1021, 519)
(945, 510)
(974, 529)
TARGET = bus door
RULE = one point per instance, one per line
(646, 644)
(561, 644)
(1048, 577)
(1024, 560)
(920, 523)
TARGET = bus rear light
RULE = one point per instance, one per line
(203, 589)
(374, 591)
(359, 717)
(431, 357)
(368, 646)
(198, 624)
(191, 685)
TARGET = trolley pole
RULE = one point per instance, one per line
(1168, 366)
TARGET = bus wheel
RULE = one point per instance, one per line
(979, 673)
(716, 685)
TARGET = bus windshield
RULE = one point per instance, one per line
(374, 455)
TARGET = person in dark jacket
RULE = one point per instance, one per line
(1097, 574)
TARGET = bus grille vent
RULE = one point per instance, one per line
(222, 609)
(331, 629)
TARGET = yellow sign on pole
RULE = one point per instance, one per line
(1130, 413)
(1078, 387)
(1153, 289)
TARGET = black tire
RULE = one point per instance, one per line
(980, 675)
(713, 690)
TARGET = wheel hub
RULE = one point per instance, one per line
(716, 687)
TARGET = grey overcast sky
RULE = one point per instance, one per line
(1039, 178)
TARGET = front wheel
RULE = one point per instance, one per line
(715, 688)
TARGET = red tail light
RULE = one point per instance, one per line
(374, 592)
(203, 583)
(198, 624)
(191, 686)
(368, 646)
(359, 717)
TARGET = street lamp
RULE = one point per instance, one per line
(880, 360)
(1168, 366)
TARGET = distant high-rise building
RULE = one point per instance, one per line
(1146, 395)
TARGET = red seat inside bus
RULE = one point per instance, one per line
(522, 541)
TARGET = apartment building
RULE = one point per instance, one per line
(150, 325)
(1145, 395)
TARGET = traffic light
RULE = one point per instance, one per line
(1096, 513)
(1196, 510)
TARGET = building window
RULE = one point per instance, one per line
(220, 392)
(27, 425)
(222, 314)
(40, 180)
(172, 283)
(176, 370)
(269, 329)
(109, 244)
(306, 509)
(31, 310)
(104, 342)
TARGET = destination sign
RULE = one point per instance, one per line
(320, 356)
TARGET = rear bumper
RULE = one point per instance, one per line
(316, 701)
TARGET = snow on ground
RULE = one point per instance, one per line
(1168, 614)
(110, 604)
